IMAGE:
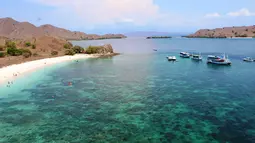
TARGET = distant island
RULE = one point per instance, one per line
(225, 32)
(159, 37)
(11, 28)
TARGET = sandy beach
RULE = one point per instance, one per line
(10, 73)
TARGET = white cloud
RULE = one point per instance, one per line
(241, 12)
(139, 12)
(211, 15)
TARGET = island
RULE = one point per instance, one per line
(225, 32)
(20, 51)
(13, 29)
(22, 42)
(159, 37)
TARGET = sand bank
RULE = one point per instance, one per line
(11, 72)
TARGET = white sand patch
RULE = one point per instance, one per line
(9, 73)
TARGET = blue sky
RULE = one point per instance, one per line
(121, 16)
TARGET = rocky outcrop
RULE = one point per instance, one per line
(226, 32)
(11, 28)
(102, 50)
(106, 49)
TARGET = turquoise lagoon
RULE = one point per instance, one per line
(136, 97)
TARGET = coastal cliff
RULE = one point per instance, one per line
(225, 32)
(13, 29)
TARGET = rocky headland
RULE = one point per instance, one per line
(225, 32)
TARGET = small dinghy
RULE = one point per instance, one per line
(171, 58)
(248, 59)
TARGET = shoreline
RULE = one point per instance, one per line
(12, 72)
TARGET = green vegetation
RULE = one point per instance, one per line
(73, 50)
(244, 35)
(14, 51)
(92, 49)
(2, 48)
(10, 44)
(246, 29)
(103, 38)
(28, 44)
(253, 32)
(68, 46)
(26, 53)
(70, 52)
(54, 53)
(2, 54)
(33, 46)
(35, 55)
(78, 49)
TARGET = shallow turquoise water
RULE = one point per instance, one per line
(136, 97)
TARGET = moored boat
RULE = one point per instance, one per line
(196, 57)
(248, 59)
(218, 60)
(171, 58)
(184, 55)
(212, 57)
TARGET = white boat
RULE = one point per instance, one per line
(212, 57)
(248, 59)
(196, 57)
(218, 60)
(171, 58)
(184, 55)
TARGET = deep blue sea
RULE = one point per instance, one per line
(137, 96)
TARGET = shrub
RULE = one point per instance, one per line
(2, 48)
(28, 44)
(18, 52)
(54, 53)
(244, 35)
(69, 52)
(10, 44)
(78, 49)
(35, 55)
(33, 46)
(14, 51)
(68, 46)
(2, 54)
(254, 32)
(26, 53)
(92, 49)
